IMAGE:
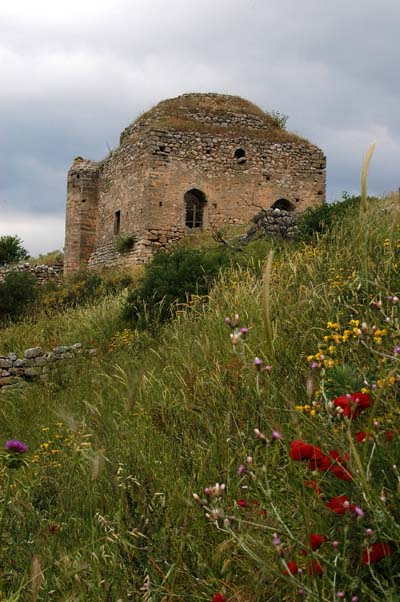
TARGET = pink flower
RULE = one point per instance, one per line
(15, 446)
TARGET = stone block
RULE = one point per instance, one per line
(5, 363)
(33, 352)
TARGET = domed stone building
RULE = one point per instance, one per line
(195, 162)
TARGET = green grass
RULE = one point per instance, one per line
(120, 442)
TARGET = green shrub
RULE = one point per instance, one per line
(172, 278)
(318, 220)
(124, 243)
(17, 292)
(11, 250)
(82, 288)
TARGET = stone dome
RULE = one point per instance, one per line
(211, 113)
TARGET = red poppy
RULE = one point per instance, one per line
(299, 450)
(336, 504)
(316, 540)
(353, 405)
(291, 568)
(255, 503)
(219, 598)
(313, 485)
(375, 552)
(361, 436)
(321, 464)
(339, 469)
(389, 435)
(315, 568)
(242, 503)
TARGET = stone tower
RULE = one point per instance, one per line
(194, 162)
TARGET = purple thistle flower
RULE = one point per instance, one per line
(267, 369)
(257, 361)
(276, 435)
(15, 446)
(359, 511)
(244, 331)
(315, 366)
(275, 539)
(396, 350)
(241, 469)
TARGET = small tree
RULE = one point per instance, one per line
(17, 292)
(11, 249)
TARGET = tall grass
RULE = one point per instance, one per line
(120, 442)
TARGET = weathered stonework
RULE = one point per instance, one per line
(42, 273)
(198, 161)
(15, 372)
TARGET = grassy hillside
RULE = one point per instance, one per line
(118, 443)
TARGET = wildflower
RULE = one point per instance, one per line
(321, 464)
(361, 436)
(315, 568)
(218, 598)
(257, 362)
(53, 528)
(339, 469)
(242, 503)
(375, 552)
(340, 504)
(299, 450)
(396, 350)
(389, 435)
(275, 436)
(260, 435)
(291, 568)
(368, 532)
(249, 460)
(359, 511)
(340, 595)
(216, 491)
(316, 540)
(275, 539)
(241, 469)
(354, 599)
(315, 365)
(244, 331)
(15, 446)
(352, 405)
(313, 485)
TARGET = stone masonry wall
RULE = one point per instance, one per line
(35, 364)
(146, 181)
(42, 273)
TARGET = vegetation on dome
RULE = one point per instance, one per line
(184, 113)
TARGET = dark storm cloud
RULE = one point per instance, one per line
(74, 74)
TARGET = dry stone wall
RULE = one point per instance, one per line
(42, 273)
(35, 364)
(273, 223)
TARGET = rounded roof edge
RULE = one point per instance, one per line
(211, 112)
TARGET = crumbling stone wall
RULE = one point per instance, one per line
(273, 223)
(42, 273)
(232, 158)
(35, 364)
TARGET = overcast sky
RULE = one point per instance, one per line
(74, 73)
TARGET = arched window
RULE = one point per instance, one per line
(240, 156)
(283, 205)
(194, 208)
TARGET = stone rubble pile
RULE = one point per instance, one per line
(276, 223)
(35, 364)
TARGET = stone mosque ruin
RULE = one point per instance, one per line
(191, 163)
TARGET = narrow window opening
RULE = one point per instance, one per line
(77, 176)
(240, 156)
(83, 200)
(160, 204)
(320, 192)
(117, 222)
(208, 151)
(162, 147)
(282, 205)
(195, 201)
